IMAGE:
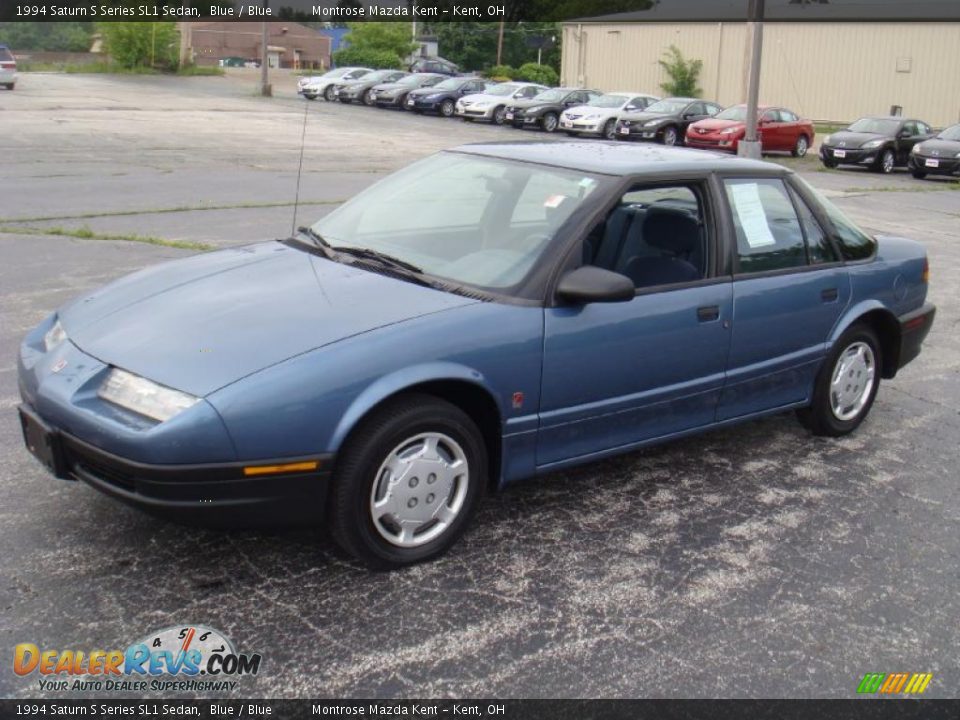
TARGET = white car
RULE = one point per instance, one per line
(322, 85)
(491, 105)
(8, 68)
(600, 115)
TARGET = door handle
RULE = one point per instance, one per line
(829, 295)
(708, 313)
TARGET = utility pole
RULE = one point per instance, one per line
(265, 88)
(750, 146)
(500, 44)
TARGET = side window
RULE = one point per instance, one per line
(819, 249)
(655, 236)
(768, 230)
(910, 127)
(787, 116)
(713, 109)
(530, 92)
(695, 109)
(476, 86)
(770, 116)
(923, 128)
(639, 102)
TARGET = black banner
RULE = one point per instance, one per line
(491, 709)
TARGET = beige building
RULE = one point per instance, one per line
(826, 71)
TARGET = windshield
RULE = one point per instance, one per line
(470, 219)
(450, 84)
(667, 106)
(554, 95)
(413, 79)
(737, 113)
(504, 89)
(377, 75)
(607, 101)
(875, 125)
(951, 133)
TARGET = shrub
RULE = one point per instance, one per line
(141, 44)
(376, 59)
(683, 74)
(543, 74)
(500, 73)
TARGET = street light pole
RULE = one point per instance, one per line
(265, 88)
(750, 146)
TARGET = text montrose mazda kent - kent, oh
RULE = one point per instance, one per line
(484, 315)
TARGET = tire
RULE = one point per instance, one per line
(328, 94)
(800, 147)
(402, 102)
(402, 430)
(856, 358)
(499, 115)
(447, 108)
(311, 98)
(10, 86)
(885, 162)
(367, 100)
(571, 133)
(549, 122)
(609, 131)
(918, 174)
(830, 164)
(670, 136)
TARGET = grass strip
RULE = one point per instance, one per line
(85, 233)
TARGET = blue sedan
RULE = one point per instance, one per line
(487, 314)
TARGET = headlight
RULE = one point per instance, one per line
(915, 149)
(872, 144)
(826, 140)
(54, 336)
(957, 155)
(534, 109)
(651, 123)
(143, 396)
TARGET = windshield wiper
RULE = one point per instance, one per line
(377, 256)
(318, 240)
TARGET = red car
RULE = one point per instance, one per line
(779, 128)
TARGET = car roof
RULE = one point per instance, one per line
(615, 158)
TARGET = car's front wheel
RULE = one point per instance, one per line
(885, 162)
(918, 174)
(499, 115)
(407, 482)
(447, 108)
(830, 164)
(846, 385)
(610, 129)
(801, 147)
(549, 122)
(670, 136)
(329, 94)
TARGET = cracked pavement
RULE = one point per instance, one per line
(754, 561)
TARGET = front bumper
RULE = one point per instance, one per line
(389, 100)
(8, 76)
(637, 132)
(706, 142)
(847, 156)
(471, 112)
(212, 495)
(914, 327)
(941, 166)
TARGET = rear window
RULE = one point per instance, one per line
(6, 55)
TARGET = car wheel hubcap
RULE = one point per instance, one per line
(887, 161)
(670, 137)
(498, 116)
(419, 490)
(447, 108)
(549, 123)
(852, 381)
(802, 147)
(609, 131)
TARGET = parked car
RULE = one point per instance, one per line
(434, 65)
(779, 130)
(8, 68)
(938, 156)
(879, 143)
(359, 90)
(484, 315)
(491, 105)
(543, 110)
(395, 94)
(442, 97)
(325, 85)
(599, 115)
(665, 121)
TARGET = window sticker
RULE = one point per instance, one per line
(554, 201)
(753, 220)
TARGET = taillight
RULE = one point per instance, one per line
(925, 276)
(8, 65)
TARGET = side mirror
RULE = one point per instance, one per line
(630, 108)
(589, 284)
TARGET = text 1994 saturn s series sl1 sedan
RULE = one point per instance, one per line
(484, 315)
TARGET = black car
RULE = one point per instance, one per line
(359, 90)
(434, 65)
(939, 155)
(879, 143)
(544, 110)
(665, 121)
(442, 97)
(394, 94)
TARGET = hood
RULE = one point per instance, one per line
(204, 322)
(846, 138)
(533, 102)
(939, 148)
(644, 116)
(714, 125)
(424, 91)
(388, 86)
(483, 97)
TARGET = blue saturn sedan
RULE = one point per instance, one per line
(487, 314)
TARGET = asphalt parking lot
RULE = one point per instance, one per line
(755, 561)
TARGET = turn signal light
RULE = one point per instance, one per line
(925, 277)
(306, 466)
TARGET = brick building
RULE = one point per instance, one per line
(289, 44)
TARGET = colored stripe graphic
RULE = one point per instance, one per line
(894, 683)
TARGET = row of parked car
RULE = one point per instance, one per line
(880, 143)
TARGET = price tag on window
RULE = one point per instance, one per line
(750, 213)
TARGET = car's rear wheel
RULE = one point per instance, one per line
(918, 174)
(885, 162)
(801, 147)
(329, 94)
(407, 482)
(549, 122)
(499, 115)
(846, 384)
(10, 86)
(670, 136)
(447, 108)
(610, 129)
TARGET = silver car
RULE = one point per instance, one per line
(491, 106)
(322, 85)
(8, 68)
(599, 116)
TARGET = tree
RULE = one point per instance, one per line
(531, 72)
(382, 37)
(141, 44)
(50, 36)
(683, 74)
(376, 59)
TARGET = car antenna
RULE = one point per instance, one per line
(296, 197)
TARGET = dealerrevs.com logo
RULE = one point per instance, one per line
(175, 659)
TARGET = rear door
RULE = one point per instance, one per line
(789, 290)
